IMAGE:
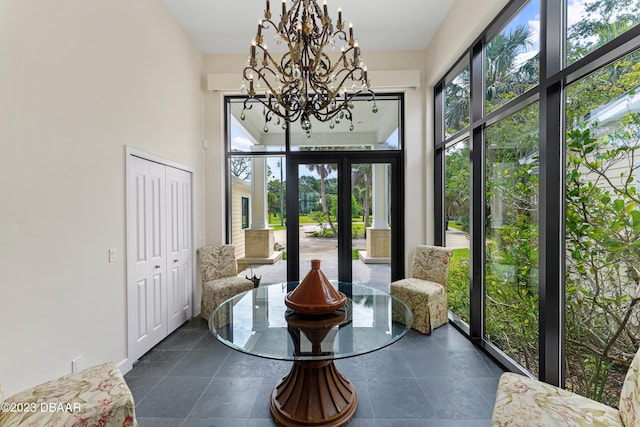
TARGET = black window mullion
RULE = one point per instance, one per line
(344, 220)
(439, 172)
(551, 197)
(477, 201)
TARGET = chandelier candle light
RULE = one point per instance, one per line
(304, 83)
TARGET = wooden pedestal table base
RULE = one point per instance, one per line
(314, 393)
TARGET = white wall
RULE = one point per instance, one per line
(79, 80)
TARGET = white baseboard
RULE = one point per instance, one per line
(125, 366)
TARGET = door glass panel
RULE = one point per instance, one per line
(318, 205)
(457, 209)
(367, 130)
(511, 265)
(371, 224)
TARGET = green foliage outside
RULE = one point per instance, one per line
(458, 283)
(318, 218)
(603, 257)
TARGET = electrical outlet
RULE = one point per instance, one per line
(76, 364)
(112, 255)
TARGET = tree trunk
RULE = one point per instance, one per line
(323, 200)
(367, 196)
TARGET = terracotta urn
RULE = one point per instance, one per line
(315, 294)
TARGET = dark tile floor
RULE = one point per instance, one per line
(192, 380)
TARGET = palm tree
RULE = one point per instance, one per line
(457, 95)
(361, 177)
(503, 73)
(324, 170)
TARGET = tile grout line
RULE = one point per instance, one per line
(208, 384)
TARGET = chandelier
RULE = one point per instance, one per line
(304, 83)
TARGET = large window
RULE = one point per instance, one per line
(552, 130)
(512, 58)
(511, 218)
(602, 227)
(457, 211)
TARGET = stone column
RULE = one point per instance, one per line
(259, 193)
(379, 234)
(380, 197)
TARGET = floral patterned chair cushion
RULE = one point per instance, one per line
(629, 405)
(96, 396)
(520, 400)
(425, 292)
(220, 281)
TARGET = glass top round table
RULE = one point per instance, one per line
(259, 323)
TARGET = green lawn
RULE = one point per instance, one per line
(357, 227)
(456, 225)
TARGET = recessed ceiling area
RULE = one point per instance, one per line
(228, 26)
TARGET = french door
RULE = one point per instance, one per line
(339, 208)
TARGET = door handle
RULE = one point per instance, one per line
(157, 266)
(175, 260)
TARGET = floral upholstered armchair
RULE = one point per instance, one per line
(220, 280)
(425, 292)
(522, 401)
(96, 396)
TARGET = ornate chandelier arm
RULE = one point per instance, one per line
(355, 74)
(304, 82)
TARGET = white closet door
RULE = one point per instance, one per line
(179, 271)
(186, 241)
(146, 220)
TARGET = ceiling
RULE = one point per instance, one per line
(228, 26)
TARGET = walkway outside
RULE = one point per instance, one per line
(374, 275)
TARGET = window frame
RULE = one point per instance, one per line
(554, 77)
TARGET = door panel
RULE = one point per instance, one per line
(145, 213)
(178, 246)
(371, 223)
(141, 300)
(186, 244)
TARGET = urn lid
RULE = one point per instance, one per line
(315, 294)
